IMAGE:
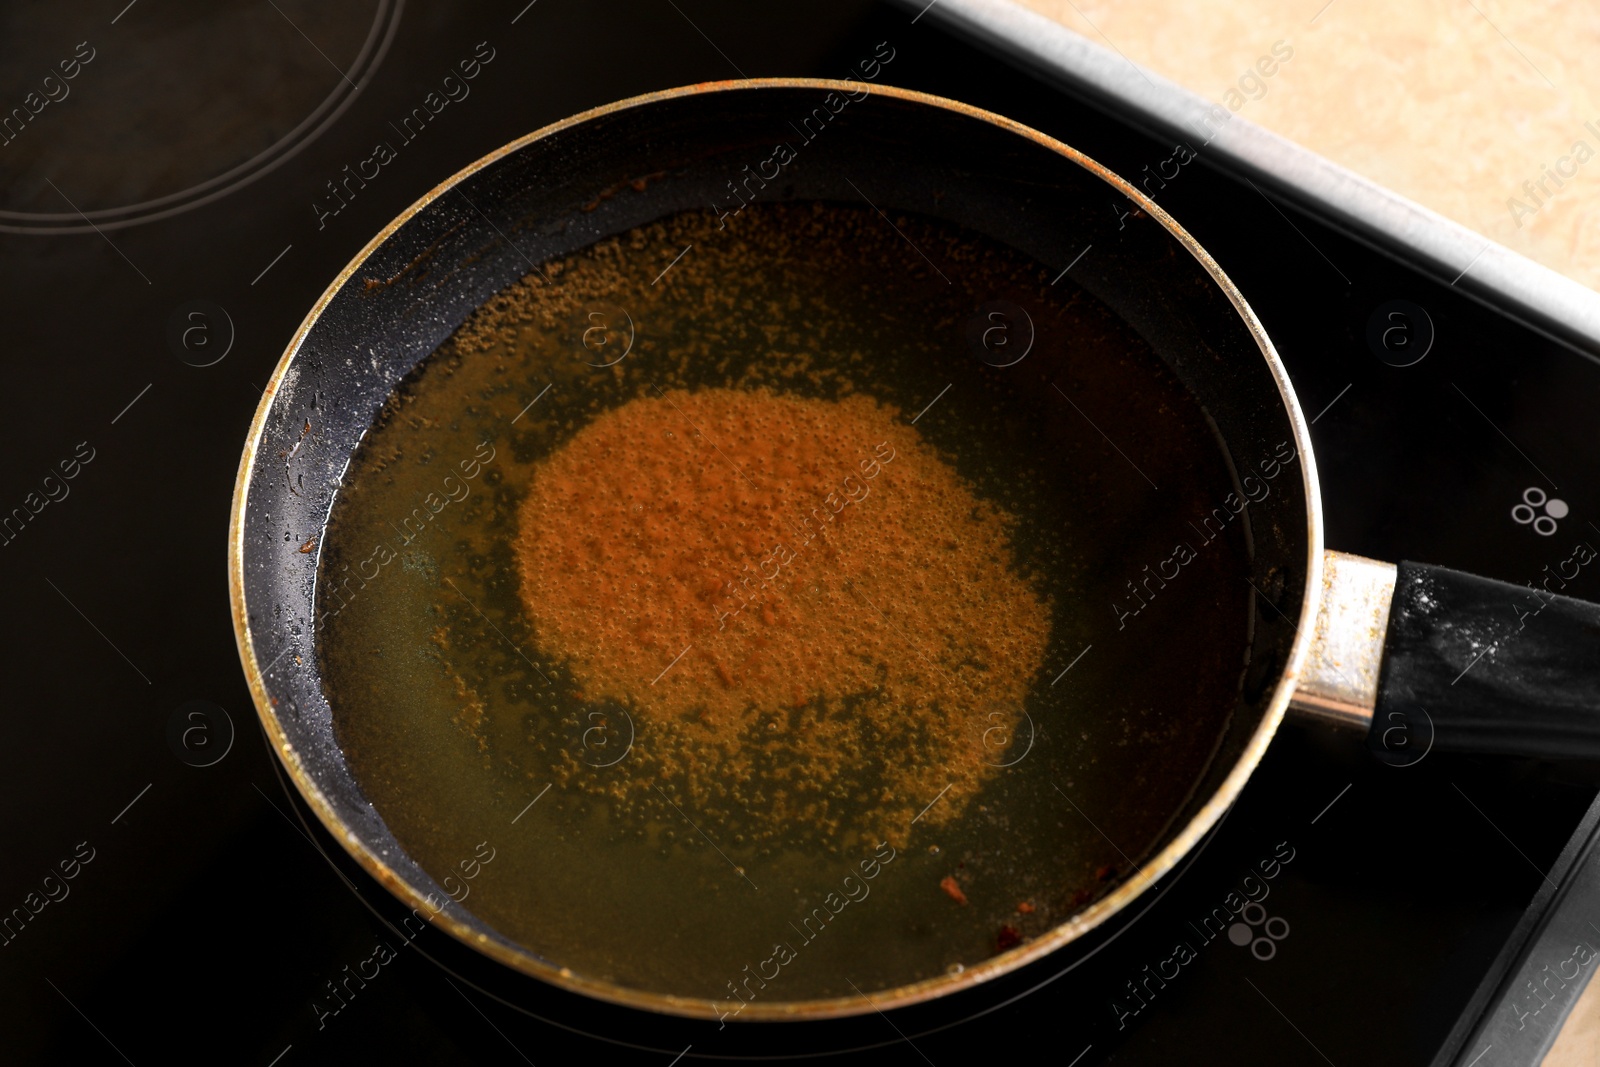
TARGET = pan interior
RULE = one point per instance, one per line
(856, 837)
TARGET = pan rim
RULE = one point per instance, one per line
(524, 960)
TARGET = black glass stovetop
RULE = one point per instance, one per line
(168, 214)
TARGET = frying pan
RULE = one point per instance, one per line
(1422, 657)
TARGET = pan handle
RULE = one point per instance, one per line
(1426, 658)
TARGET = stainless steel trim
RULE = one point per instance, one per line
(1340, 680)
(1453, 252)
(1531, 1000)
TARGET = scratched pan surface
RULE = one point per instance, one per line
(1147, 408)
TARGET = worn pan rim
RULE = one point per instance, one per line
(526, 961)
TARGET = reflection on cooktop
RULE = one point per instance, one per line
(109, 124)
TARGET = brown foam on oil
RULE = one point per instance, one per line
(805, 607)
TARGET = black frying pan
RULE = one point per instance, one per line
(1314, 628)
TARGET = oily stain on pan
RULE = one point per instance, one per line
(752, 626)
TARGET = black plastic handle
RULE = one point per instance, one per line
(1476, 665)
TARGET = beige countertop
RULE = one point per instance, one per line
(1486, 111)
